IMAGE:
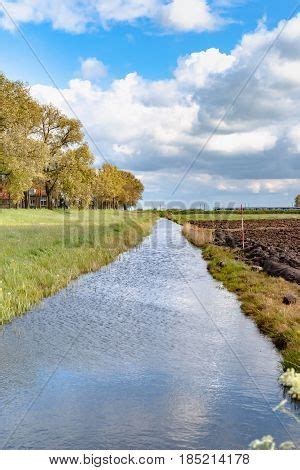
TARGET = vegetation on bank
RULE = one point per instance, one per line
(42, 251)
(291, 380)
(181, 217)
(261, 298)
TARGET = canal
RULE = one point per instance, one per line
(149, 352)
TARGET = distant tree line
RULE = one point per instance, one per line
(42, 148)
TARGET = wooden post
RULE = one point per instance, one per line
(243, 231)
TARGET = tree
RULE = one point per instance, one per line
(114, 188)
(21, 159)
(132, 189)
(297, 201)
(77, 177)
(59, 133)
(22, 156)
(17, 107)
(108, 186)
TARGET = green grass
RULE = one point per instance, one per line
(261, 298)
(42, 251)
(192, 216)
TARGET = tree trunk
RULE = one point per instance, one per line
(26, 199)
(49, 197)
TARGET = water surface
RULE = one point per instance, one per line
(147, 353)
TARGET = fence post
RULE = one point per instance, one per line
(243, 231)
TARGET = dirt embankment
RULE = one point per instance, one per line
(273, 245)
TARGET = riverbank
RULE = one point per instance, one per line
(261, 298)
(42, 251)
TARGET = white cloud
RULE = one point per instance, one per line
(68, 15)
(195, 69)
(126, 10)
(188, 15)
(243, 142)
(152, 126)
(123, 149)
(272, 186)
(294, 138)
(76, 15)
(93, 69)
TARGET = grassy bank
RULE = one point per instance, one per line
(261, 298)
(181, 218)
(42, 251)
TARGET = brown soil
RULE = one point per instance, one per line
(273, 245)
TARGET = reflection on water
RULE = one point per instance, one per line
(149, 352)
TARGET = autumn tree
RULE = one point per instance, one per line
(132, 190)
(108, 186)
(114, 188)
(59, 133)
(76, 181)
(297, 201)
(22, 156)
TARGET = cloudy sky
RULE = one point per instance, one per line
(199, 98)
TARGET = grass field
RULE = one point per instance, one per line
(42, 251)
(185, 217)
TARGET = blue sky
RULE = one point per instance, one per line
(150, 44)
(144, 47)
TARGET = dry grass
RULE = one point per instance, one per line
(261, 298)
(199, 236)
